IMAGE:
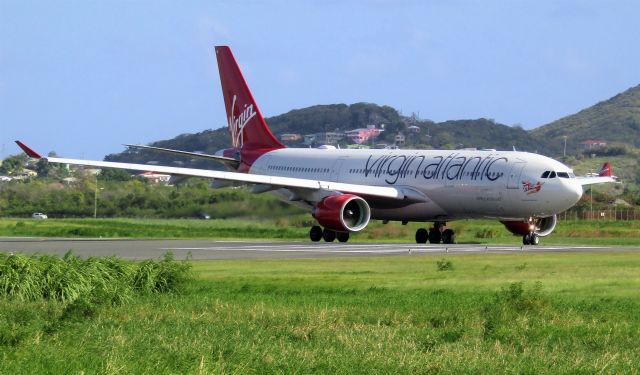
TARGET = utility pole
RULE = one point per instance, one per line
(591, 202)
(564, 153)
(95, 200)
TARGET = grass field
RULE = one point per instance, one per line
(577, 232)
(521, 313)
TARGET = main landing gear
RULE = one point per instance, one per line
(437, 234)
(316, 233)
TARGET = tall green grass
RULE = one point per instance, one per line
(70, 278)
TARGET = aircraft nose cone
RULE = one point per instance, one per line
(575, 191)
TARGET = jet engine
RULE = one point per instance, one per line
(342, 213)
(541, 226)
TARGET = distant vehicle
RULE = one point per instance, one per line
(39, 215)
(5, 179)
(204, 216)
(345, 189)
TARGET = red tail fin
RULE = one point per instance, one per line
(606, 170)
(248, 129)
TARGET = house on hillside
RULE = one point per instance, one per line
(25, 174)
(290, 137)
(326, 138)
(156, 178)
(363, 135)
(590, 143)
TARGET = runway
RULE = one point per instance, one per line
(207, 249)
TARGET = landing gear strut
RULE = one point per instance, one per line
(437, 234)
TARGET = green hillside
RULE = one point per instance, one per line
(479, 133)
(616, 120)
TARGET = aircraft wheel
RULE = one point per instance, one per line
(342, 236)
(435, 236)
(526, 239)
(422, 235)
(315, 233)
(328, 235)
(448, 236)
(534, 239)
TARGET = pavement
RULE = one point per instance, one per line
(136, 249)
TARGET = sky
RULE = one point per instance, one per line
(83, 77)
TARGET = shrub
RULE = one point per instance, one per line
(508, 306)
(444, 265)
(487, 233)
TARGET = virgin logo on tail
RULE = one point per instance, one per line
(237, 124)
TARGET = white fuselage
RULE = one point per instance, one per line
(456, 184)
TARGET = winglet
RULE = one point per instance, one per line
(28, 150)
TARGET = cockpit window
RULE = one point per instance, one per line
(563, 174)
(545, 174)
(552, 174)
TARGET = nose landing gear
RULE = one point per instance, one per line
(531, 239)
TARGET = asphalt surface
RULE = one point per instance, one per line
(204, 249)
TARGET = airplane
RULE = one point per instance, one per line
(604, 171)
(346, 188)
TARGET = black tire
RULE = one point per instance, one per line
(328, 235)
(526, 239)
(422, 235)
(342, 236)
(448, 236)
(435, 236)
(315, 233)
(534, 239)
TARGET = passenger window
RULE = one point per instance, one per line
(552, 175)
(545, 174)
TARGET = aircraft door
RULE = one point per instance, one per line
(513, 182)
(335, 169)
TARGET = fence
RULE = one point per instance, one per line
(595, 214)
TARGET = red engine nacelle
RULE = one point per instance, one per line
(542, 227)
(343, 213)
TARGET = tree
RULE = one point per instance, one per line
(43, 168)
(13, 164)
(109, 174)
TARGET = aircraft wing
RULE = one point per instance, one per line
(274, 182)
(594, 180)
(232, 161)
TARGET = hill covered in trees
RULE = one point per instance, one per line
(480, 133)
(616, 120)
